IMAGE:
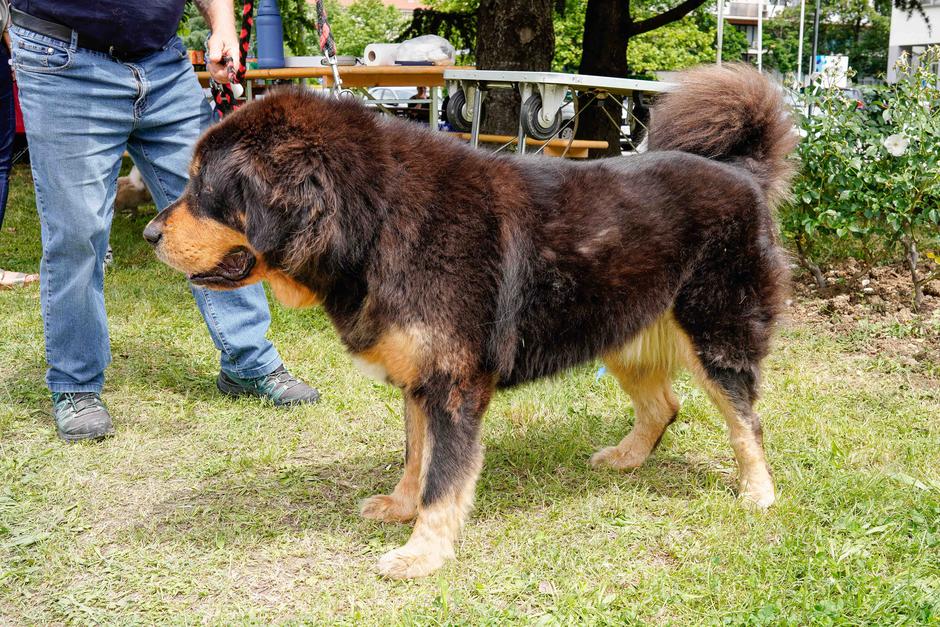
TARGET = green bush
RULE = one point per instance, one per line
(870, 177)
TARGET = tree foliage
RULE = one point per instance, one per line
(295, 14)
(687, 42)
(361, 23)
(857, 28)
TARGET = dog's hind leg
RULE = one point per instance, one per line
(402, 504)
(734, 392)
(452, 459)
(644, 368)
(727, 311)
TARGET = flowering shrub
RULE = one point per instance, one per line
(871, 175)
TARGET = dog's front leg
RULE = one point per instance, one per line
(452, 458)
(402, 504)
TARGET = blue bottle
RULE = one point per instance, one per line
(270, 35)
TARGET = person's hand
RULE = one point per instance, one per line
(223, 51)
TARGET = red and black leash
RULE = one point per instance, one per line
(222, 94)
(328, 46)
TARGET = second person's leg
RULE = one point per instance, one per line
(171, 115)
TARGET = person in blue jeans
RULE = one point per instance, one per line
(96, 78)
(8, 278)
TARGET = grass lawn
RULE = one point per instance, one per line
(204, 509)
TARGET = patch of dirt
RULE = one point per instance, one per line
(875, 306)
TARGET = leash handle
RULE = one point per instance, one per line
(225, 96)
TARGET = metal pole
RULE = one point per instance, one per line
(721, 28)
(760, 35)
(477, 113)
(799, 54)
(812, 63)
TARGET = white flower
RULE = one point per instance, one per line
(896, 144)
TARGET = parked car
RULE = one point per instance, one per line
(392, 98)
(395, 101)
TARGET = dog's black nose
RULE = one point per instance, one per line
(153, 232)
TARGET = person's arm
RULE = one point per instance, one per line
(223, 42)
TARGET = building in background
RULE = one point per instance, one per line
(743, 17)
(913, 35)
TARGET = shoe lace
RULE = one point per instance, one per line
(278, 381)
(80, 401)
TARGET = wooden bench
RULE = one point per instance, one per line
(554, 148)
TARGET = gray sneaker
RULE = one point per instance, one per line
(80, 416)
(280, 387)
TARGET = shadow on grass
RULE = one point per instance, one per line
(322, 496)
(141, 362)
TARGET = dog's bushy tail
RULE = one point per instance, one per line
(729, 113)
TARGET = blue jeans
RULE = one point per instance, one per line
(7, 127)
(82, 109)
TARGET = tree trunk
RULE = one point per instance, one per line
(806, 262)
(605, 54)
(513, 36)
(910, 247)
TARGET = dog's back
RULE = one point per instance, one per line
(615, 243)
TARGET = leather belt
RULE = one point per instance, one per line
(64, 33)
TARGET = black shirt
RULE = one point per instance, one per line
(134, 27)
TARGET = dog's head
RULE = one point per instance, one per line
(266, 190)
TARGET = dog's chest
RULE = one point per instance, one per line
(396, 357)
(371, 369)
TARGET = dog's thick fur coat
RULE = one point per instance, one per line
(451, 272)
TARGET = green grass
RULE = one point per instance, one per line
(208, 510)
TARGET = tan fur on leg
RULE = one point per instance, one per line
(436, 530)
(402, 504)
(644, 369)
(754, 480)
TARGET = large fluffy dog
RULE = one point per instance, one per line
(450, 272)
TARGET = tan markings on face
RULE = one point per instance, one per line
(289, 291)
(194, 245)
(399, 355)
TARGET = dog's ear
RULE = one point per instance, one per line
(281, 209)
(266, 224)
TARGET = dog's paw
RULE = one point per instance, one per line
(614, 457)
(408, 563)
(760, 499)
(387, 508)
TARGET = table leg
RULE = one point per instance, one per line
(520, 146)
(475, 123)
(433, 119)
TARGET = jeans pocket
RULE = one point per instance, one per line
(35, 55)
(179, 47)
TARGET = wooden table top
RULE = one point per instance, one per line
(357, 75)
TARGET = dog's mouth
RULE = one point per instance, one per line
(234, 268)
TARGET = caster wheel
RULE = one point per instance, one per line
(531, 124)
(454, 111)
